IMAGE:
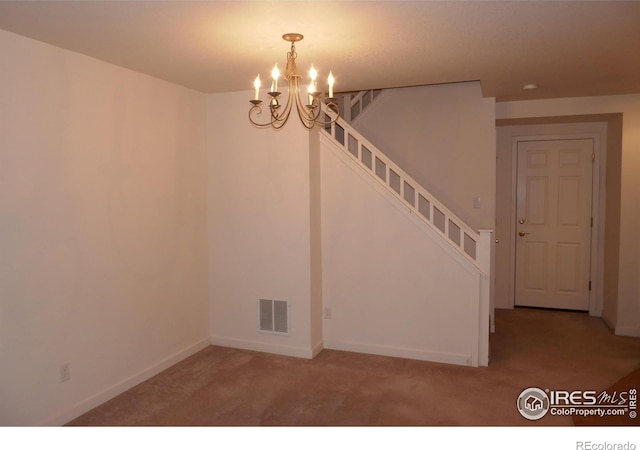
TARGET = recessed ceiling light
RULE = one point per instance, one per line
(530, 87)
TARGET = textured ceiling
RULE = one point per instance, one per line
(568, 48)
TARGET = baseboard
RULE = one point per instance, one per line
(89, 403)
(317, 349)
(627, 331)
(278, 349)
(400, 352)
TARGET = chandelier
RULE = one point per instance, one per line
(308, 113)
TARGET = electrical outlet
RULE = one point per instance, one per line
(327, 313)
(65, 372)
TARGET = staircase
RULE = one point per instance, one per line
(355, 103)
(471, 248)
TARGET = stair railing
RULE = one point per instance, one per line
(474, 246)
(469, 243)
(360, 101)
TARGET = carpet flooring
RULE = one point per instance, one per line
(230, 387)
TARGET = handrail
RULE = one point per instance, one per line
(420, 201)
(357, 98)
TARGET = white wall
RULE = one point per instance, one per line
(289, 222)
(444, 137)
(102, 229)
(628, 306)
(390, 285)
(260, 242)
(116, 249)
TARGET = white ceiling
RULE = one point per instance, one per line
(568, 48)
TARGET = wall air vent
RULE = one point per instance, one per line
(273, 316)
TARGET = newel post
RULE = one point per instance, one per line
(484, 257)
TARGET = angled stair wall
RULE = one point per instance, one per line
(449, 238)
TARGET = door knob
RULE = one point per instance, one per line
(522, 233)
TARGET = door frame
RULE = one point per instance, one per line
(596, 271)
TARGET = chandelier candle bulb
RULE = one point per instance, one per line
(256, 84)
(311, 91)
(313, 74)
(331, 80)
(275, 73)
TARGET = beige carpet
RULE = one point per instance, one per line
(531, 348)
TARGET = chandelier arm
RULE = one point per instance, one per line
(277, 118)
(305, 113)
(274, 106)
(330, 110)
(315, 110)
(256, 110)
(280, 121)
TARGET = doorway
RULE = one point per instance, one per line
(554, 219)
(509, 133)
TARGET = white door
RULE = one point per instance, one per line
(553, 229)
